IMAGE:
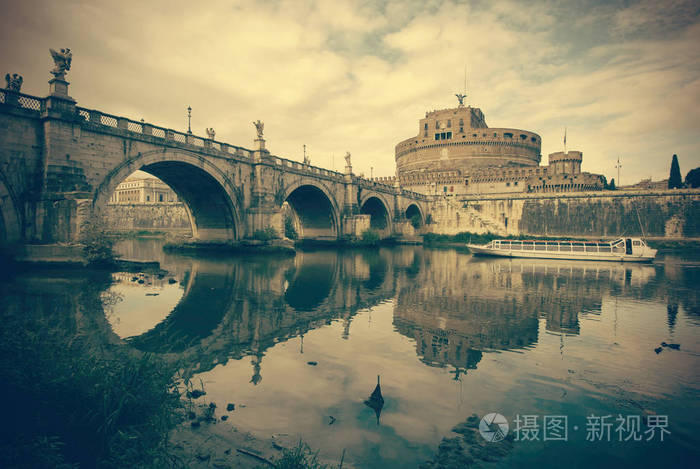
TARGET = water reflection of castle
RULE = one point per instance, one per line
(461, 306)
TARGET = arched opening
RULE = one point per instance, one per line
(414, 216)
(170, 195)
(379, 215)
(311, 213)
(144, 203)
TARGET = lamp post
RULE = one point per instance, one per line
(189, 120)
(618, 166)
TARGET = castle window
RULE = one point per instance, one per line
(534, 140)
(160, 197)
(508, 135)
(437, 136)
(449, 134)
(449, 123)
(425, 129)
(515, 183)
(437, 124)
(523, 136)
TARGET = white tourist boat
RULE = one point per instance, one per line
(621, 249)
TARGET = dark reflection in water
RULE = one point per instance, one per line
(449, 334)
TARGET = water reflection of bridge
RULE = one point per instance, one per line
(455, 307)
(242, 306)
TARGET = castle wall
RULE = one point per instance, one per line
(670, 213)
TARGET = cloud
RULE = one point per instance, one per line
(357, 75)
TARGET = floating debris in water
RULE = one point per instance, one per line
(230, 407)
(312, 363)
(376, 401)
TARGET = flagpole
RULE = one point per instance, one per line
(564, 140)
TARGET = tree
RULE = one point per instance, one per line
(674, 180)
(692, 179)
(612, 184)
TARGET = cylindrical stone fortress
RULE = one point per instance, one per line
(459, 139)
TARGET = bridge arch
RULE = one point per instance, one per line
(379, 210)
(208, 193)
(315, 210)
(411, 211)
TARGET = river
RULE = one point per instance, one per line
(297, 345)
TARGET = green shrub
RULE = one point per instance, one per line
(370, 237)
(416, 221)
(97, 244)
(266, 234)
(289, 230)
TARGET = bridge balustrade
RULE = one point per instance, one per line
(23, 101)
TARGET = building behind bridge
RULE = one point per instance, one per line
(143, 190)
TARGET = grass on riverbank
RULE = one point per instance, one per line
(69, 404)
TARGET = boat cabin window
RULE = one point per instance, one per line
(636, 243)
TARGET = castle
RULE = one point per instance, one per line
(456, 153)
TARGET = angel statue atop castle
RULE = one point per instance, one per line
(14, 82)
(62, 61)
(347, 159)
(460, 98)
(259, 126)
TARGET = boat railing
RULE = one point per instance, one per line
(557, 246)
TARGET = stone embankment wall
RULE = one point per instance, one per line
(155, 217)
(666, 213)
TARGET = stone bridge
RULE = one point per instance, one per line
(60, 163)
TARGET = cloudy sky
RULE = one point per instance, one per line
(345, 75)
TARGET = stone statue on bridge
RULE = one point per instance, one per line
(211, 133)
(62, 60)
(347, 159)
(14, 82)
(259, 126)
